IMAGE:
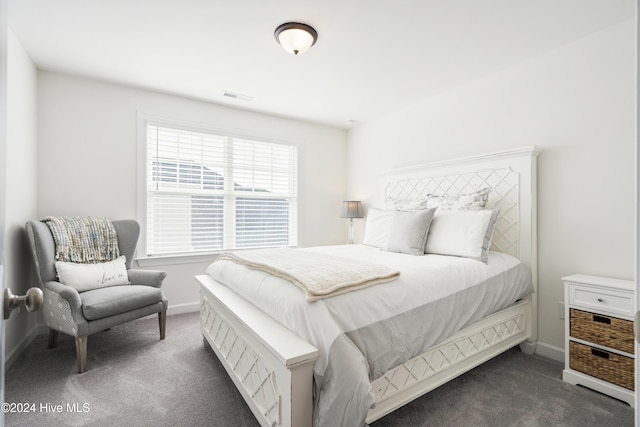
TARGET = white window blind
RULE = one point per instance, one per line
(208, 192)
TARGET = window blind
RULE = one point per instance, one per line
(208, 192)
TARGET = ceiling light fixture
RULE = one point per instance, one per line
(295, 37)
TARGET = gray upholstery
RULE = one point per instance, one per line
(105, 302)
(83, 313)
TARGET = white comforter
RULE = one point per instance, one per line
(364, 333)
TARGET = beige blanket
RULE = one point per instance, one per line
(318, 275)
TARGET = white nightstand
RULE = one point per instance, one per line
(599, 346)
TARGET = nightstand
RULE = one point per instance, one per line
(599, 345)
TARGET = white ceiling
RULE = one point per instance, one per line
(372, 56)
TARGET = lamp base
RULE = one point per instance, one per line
(350, 231)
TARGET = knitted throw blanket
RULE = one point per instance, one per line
(83, 239)
(318, 275)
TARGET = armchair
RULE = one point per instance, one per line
(81, 314)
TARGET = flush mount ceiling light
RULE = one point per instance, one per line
(295, 37)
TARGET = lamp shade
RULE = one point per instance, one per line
(351, 209)
(295, 37)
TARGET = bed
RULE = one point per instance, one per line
(273, 366)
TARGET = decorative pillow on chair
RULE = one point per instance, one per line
(460, 202)
(85, 277)
(409, 230)
(462, 233)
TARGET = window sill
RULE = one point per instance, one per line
(157, 261)
(154, 261)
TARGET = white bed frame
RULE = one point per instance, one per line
(273, 368)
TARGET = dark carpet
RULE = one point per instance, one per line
(133, 379)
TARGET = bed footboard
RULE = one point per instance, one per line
(270, 366)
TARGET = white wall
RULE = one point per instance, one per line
(21, 200)
(87, 159)
(577, 103)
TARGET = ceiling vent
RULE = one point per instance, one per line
(235, 95)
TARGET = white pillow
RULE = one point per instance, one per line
(462, 233)
(377, 226)
(409, 230)
(85, 277)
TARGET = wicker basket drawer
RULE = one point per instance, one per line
(610, 367)
(603, 330)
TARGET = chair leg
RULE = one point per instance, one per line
(81, 353)
(162, 321)
(53, 338)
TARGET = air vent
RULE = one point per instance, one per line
(235, 95)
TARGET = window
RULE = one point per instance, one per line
(208, 191)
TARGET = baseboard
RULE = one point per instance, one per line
(189, 307)
(550, 352)
(12, 355)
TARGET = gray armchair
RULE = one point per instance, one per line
(81, 314)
